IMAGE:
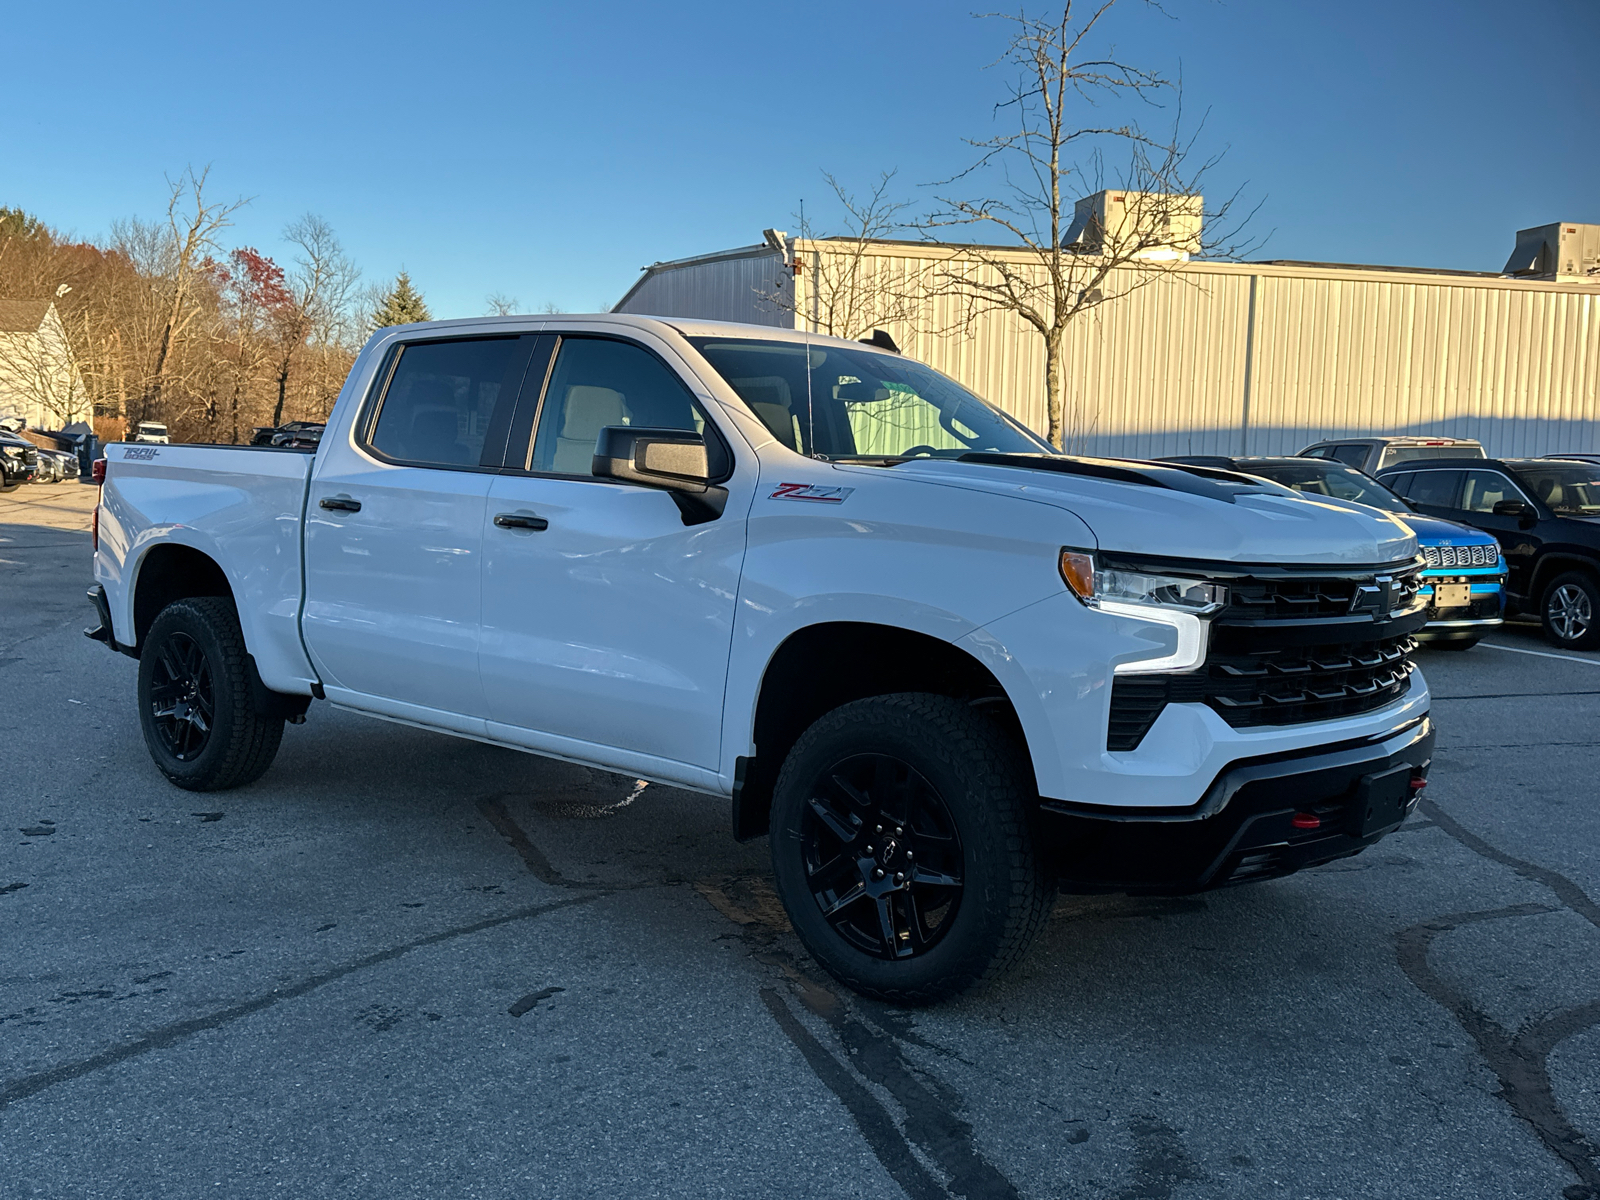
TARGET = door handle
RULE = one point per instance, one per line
(520, 521)
(339, 503)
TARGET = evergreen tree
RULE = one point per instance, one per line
(400, 305)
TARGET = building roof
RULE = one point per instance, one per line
(23, 316)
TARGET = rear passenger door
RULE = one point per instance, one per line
(607, 621)
(394, 531)
(1436, 493)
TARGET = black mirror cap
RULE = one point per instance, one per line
(674, 460)
(1513, 508)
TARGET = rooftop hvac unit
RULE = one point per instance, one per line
(1147, 226)
(1559, 251)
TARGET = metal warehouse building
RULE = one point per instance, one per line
(1226, 358)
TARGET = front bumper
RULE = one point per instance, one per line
(1244, 827)
(1485, 608)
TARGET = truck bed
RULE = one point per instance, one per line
(242, 506)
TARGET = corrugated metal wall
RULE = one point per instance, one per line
(1186, 363)
(724, 288)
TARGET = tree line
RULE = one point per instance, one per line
(164, 322)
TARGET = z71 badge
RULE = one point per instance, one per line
(810, 491)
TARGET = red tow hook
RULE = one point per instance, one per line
(1305, 821)
(1418, 782)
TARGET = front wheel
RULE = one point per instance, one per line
(902, 847)
(195, 702)
(1571, 611)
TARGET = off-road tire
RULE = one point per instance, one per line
(980, 773)
(241, 743)
(1554, 630)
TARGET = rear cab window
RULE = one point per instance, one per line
(1399, 454)
(447, 403)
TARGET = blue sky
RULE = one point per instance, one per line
(547, 151)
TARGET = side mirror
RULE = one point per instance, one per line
(673, 460)
(1520, 509)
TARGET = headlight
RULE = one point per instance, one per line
(1176, 600)
(13, 451)
(1097, 585)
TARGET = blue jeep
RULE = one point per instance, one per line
(1465, 575)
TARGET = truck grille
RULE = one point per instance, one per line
(1461, 556)
(1288, 650)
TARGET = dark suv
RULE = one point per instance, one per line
(19, 461)
(1546, 515)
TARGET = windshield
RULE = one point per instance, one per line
(859, 403)
(1570, 490)
(1332, 480)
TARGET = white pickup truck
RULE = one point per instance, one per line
(949, 669)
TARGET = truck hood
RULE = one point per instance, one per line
(1156, 509)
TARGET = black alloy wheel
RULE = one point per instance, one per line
(882, 856)
(902, 846)
(182, 703)
(1571, 611)
(196, 701)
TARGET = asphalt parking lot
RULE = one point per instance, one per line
(406, 965)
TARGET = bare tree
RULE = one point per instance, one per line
(850, 291)
(500, 304)
(1064, 257)
(320, 288)
(175, 256)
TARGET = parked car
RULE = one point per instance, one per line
(19, 461)
(292, 435)
(1374, 454)
(1464, 578)
(945, 666)
(151, 431)
(62, 466)
(1543, 512)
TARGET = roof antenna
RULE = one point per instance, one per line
(882, 341)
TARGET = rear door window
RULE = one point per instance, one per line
(1400, 484)
(1435, 489)
(1351, 455)
(596, 382)
(444, 401)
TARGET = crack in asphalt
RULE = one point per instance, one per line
(876, 1054)
(539, 866)
(1520, 1061)
(178, 1031)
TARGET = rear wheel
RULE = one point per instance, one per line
(902, 848)
(195, 703)
(1571, 611)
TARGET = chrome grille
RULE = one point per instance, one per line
(1486, 555)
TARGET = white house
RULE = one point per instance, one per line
(39, 379)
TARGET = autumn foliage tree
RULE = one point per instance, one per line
(165, 323)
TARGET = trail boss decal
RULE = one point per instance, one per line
(810, 491)
(146, 452)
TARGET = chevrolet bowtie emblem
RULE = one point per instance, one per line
(1376, 597)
